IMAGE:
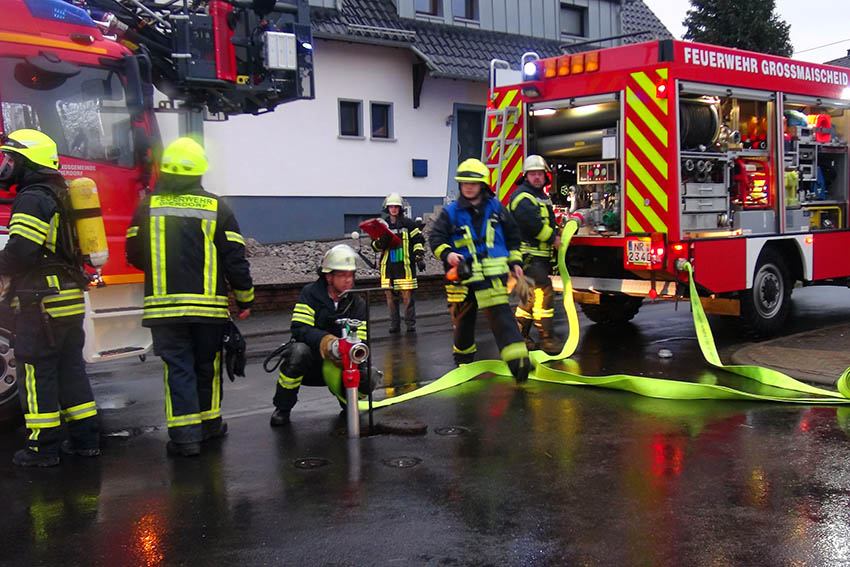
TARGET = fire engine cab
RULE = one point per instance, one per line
(668, 151)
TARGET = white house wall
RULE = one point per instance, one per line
(289, 175)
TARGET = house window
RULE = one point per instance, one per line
(572, 20)
(382, 120)
(351, 118)
(467, 9)
(429, 7)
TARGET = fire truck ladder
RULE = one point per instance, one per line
(501, 119)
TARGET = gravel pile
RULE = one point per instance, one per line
(296, 262)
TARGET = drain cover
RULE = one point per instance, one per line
(402, 462)
(401, 427)
(310, 463)
(451, 431)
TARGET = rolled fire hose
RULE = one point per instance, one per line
(765, 384)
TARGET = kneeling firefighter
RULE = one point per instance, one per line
(312, 357)
(477, 235)
(48, 279)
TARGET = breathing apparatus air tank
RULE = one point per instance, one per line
(91, 233)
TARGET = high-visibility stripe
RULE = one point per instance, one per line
(650, 89)
(456, 293)
(81, 411)
(244, 295)
(52, 233)
(646, 147)
(521, 313)
(28, 233)
(30, 221)
(42, 420)
(215, 403)
(158, 254)
(63, 295)
(404, 284)
(514, 351)
(185, 311)
(168, 410)
(651, 121)
(184, 420)
(234, 237)
(132, 231)
(405, 244)
(77, 309)
(210, 257)
(184, 213)
(637, 200)
(32, 394)
(488, 297)
(289, 383)
(438, 252)
(470, 350)
(185, 298)
(299, 318)
(636, 167)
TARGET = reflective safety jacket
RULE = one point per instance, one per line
(33, 255)
(533, 211)
(485, 235)
(398, 265)
(189, 246)
(315, 314)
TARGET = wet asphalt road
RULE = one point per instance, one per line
(505, 475)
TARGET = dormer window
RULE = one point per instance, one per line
(465, 9)
(429, 7)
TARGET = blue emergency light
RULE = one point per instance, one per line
(59, 11)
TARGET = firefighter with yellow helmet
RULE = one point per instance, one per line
(478, 242)
(399, 262)
(315, 333)
(188, 244)
(48, 281)
(533, 211)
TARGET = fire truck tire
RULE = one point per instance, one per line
(612, 310)
(11, 414)
(766, 306)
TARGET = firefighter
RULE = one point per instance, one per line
(187, 242)
(532, 209)
(478, 239)
(48, 279)
(399, 263)
(315, 332)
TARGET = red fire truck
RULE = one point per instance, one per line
(669, 150)
(84, 72)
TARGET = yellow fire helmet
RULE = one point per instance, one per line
(36, 146)
(340, 257)
(184, 156)
(393, 199)
(473, 171)
(535, 162)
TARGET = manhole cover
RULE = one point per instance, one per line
(402, 462)
(451, 431)
(311, 463)
(401, 427)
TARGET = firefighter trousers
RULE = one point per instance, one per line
(539, 308)
(191, 353)
(52, 382)
(395, 299)
(464, 314)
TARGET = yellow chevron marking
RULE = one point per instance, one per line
(649, 88)
(646, 116)
(509, 98)
(646, 147)
(636, 198)
(632, 224)
(646, 179)
(510, 180)
(662, 73)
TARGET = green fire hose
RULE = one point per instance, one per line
(763, 384)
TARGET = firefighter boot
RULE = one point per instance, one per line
(548, 343)
(30, 458)
(68, 447)
(520, 369)
(524, 325)
(279, 417)
(216, 431)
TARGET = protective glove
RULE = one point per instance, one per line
(234, 352)
(384, 241)
(329, 349)
(420, 263)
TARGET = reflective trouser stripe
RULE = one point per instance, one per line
(456, 293)
(289, 383)
(522, 313)
(79, 412)
(470, 350)
(488, 297)
(514, 351)
(538, 310)
(42, 420)
(180, 420)
(215, 403)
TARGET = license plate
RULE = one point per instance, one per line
(638, 252)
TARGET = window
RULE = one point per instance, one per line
(467, 9)
(382, 120)
(350, 118)
(429, 7)
(572, 20)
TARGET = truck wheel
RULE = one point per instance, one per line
(765, 307)
(10, 407)
(612, 310)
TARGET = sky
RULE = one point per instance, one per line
(814, 23)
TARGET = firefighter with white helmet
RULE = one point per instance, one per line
(399, 262)
(48, 282)
(533, 211)
(188, 243)
(315, 332)
(478, 242)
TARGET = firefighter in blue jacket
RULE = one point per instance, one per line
(476, 235)
(47, 282)
(187, 242)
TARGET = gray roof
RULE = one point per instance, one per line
(453, 51)
(841, 61)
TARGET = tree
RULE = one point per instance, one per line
(745, 24)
